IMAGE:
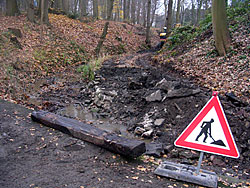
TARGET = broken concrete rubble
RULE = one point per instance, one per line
(148, 134)
(168, 148)
(176, 89)
(139, 130)
(155, 96)
(183, 92)
(159, 122)
(154, 149)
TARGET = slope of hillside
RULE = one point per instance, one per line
(198, 58)
(43, 51)
(121, 37)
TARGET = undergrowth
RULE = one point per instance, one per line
(236, 16)
(88, 70)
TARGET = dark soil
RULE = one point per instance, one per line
(32, 155)
(118, 95)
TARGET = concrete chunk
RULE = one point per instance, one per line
(156, 96)
(187, 173)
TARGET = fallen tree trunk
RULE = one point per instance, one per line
(86, 132)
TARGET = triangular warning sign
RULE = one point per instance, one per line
(209, 131)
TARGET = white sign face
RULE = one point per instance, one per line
(209, 131)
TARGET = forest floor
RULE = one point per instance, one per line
(118, 100)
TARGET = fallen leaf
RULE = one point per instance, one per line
(135, 178)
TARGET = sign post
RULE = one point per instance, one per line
(199, 163)
(208, 132)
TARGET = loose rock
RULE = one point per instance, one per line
(183, 92)
(168, 148)
(148, 134)
(159, 122)
(156, 96)
(154, 149)
(139, 130)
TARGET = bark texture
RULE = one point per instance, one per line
(105, 29)
(199, 11)
(169, 17)
(220, 27)
(148, 23)
(144, 12)
(133, 8)
(124, 9)
(11, 8)
(178, 11)
(83, 7)
(30, 14)
(95, 9)
(44, 11)
(138, 12)
(65, 6)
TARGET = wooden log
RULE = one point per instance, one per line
(111, 141)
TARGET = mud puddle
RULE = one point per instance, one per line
(81, 113)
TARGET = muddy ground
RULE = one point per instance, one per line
(132, 96)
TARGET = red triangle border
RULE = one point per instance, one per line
(213, 102)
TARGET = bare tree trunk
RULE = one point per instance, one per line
(199, 11)
(148, 24)
(173, 11)
(106, 7)
(76, 2)
(117, 10)
(182, 13)
(165, 11)
(46, 12)
(11, 8)
(124, 10)
(133, 8)
(193, 12)
(42, 16)
(102, 6)
(138, 11)
(30, 14)
(65, 6)
(144, 13)
(23, 5)
(39, 7)
(169, 17)
(95, 9)
(58, 4)
(44, 9)
(105, 29)
(220, 28)
(128, 9)
(83, 8)
(178, 11)
(153, 11)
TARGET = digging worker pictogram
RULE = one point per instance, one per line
(206, 129)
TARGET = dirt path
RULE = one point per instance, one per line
(35, 156)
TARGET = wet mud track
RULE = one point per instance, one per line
(32, 155)
(130, 96)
